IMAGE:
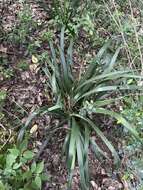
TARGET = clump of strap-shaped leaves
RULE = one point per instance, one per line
(76, 99)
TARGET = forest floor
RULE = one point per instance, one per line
(22, 78)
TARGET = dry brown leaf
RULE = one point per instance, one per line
(34, 129)
(34, 59)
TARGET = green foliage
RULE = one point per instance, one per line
(2, 101)
(87, 24)
(20, 32)
(2, 95)
(46, 36)
(17, 172)
(69, 14)
(75, 100)
(33, 46)
(23, 65)
(6, 73)
(132, 110)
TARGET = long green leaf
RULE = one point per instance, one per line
(55, 70)
(120, 119)
(101, 135)
(80, 157)
(70, 60)
(66, 144)
(54, 67)
(100, 103)
(73, 137)
(82, 144)
(29, 119)
(117, 74)
(70, 52)
(107, 89)
(103, 50)
(65, 67)
(72, 149)
(86, 149)
(97, 150)
(43, 110)
(53, 53)
(113, 61)
(93, 65)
